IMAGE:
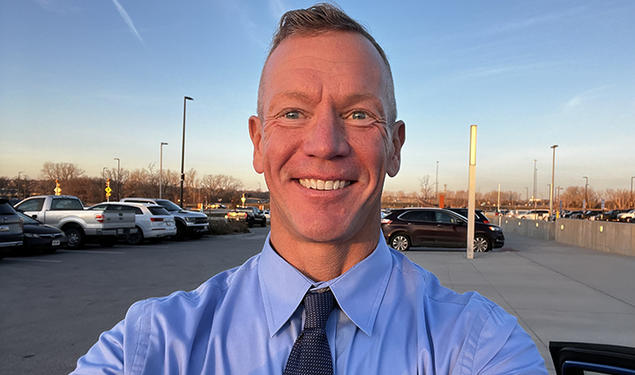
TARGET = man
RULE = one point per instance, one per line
(325, 295)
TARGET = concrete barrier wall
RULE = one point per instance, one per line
(609, 237)
(540, 229)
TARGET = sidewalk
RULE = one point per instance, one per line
(558, 292)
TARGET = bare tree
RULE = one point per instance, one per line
(220, 187)
(61, 171)
(617, 199)
(424, 196)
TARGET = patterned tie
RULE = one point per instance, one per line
(311, 354)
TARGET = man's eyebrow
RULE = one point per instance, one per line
(365, 97)
(295, 95)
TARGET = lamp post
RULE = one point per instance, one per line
(436, 184)
(118, 178)
(535, 192)
(161, 169)
(20, 172)
(586, 197)
(553, 174)
(632, 201)
(471, 193)
(185, 99)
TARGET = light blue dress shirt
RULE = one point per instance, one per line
(391, 317)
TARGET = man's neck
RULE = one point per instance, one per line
(322, 261)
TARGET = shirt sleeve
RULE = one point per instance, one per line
(122, 349)
(505, 348)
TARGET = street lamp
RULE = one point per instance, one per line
(586, 197)
(20, 172)
(436, 184)
(161, 169)
(471, 193)
(118, 178)
(553, 173)
(185, 99)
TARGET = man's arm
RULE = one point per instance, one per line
(120, 350)
(505, 348)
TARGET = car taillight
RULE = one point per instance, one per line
(486, 221)
(156, 219)
(386, 221)
(100, 218)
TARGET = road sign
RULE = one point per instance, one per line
(108, 190)
(58, 189)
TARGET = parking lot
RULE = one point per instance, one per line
(54, 307)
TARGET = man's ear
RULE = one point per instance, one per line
(398, 131)
(255, 133)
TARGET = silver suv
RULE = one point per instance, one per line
(188, 223)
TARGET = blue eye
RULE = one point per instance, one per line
(359, 115)
(292, 115)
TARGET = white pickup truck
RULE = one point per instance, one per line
(67, 213)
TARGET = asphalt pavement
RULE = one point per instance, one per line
(53, 307)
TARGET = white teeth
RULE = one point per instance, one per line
(312, 183)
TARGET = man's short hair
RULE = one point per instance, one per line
(321, 18)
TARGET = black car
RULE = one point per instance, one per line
(436, 227)
(250, 215)
(478, 214)
(11, 235)
(41, 237)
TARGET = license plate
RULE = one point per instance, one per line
(55, 243)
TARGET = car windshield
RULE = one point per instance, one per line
(26, 219)
(168, 205)
(5, 209)
(156, 210)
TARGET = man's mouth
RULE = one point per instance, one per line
(316, 184)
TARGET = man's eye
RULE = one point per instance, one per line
(292, 115)
(359, 115)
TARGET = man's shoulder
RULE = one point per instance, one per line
(437, 297)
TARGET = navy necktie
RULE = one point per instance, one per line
(311, 354)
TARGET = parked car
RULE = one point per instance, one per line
(152, 221)
(627, 217)
(478, 214)
(610, 215)
(190, 223)
(436, 227)
(535, 215)
(11, 229)
(249, 215)
(67, 213)
(576, 358)
(41, 237)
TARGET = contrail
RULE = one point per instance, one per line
(127, 20)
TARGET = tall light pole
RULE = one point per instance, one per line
(118, 178)
(553, 174)
(471, 193)
(20, 172)
(185, 99)
(436, 184)
(632, 201)
(161, 169)
(586, 197)
(535, 184)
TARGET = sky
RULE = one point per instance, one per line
(89, 81)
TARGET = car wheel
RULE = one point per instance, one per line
(181, 231)
(481, 244)
(75, 237)
(400, 242)
(135, 238)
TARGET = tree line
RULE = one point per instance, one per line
(142, 182)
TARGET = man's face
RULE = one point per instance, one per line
(323, 142)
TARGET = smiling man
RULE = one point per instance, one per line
(325, 295)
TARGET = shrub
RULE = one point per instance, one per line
(219, 227)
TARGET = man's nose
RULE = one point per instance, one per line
(326, 137)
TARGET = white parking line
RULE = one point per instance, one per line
(89, 252)
(33, 260)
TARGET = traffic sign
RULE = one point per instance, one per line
(58, 189)
(108, 190)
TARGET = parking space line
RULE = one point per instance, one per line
(89, 252)
(33, 260)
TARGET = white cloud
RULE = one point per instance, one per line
(585, 96)
(126, 18)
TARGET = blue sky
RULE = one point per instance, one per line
(87, 81)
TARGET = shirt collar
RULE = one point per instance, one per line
(358, 291)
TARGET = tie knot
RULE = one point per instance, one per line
(318, 306)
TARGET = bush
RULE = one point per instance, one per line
(219, 227)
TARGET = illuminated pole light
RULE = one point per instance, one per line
(185, 99)
(471, 192)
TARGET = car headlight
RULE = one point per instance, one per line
(494, 229)
(31, 235)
